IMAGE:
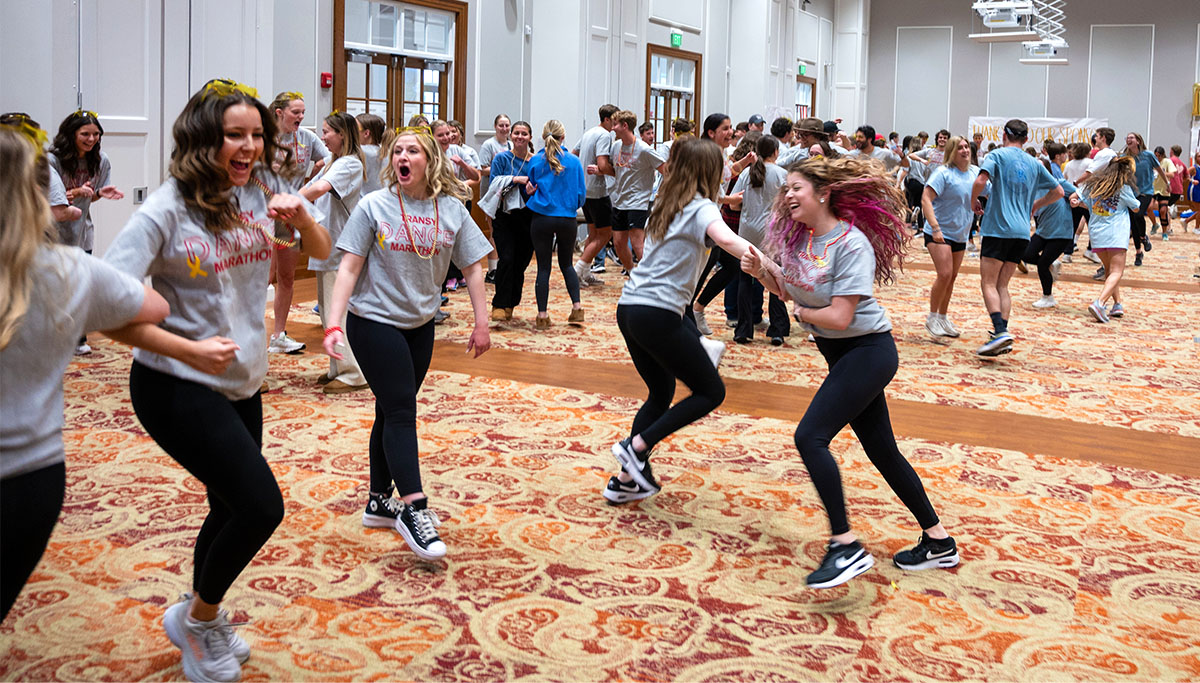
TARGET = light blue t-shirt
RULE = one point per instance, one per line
(1108, 226)
(1017, 181)
(1145, 162)
(952, 205)
(1054, 221)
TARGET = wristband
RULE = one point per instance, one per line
(331, 330)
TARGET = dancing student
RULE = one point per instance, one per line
(205, 239)
(635, 164)
(511, 229)
(370, 135)
(946, 205)
(927, 159)
(1073, 171)
(1109, 195)
(1192, 190)
(397, 247)
(61, 209)
(663, 344)
(1017, 179)
(308, 154)
(1054, 233)
(487, 151)
(49, 295)
(838, 229)
(759, 185)
(336, 190)
(554, 183)
(1162, 192)
(725, 279)
(1146, 166)
(84, 170)
(594, 151)
(1175, 189)
(864, 145)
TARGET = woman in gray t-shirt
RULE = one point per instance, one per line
(839, 229)
(396, 249)
(51, 294)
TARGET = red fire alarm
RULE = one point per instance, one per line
(326, 79)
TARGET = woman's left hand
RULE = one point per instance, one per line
(480, 341)
(286, 208)
(111, 192)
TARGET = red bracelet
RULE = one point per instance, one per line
(331, 330)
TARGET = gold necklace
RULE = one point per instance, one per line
(822, 260)
(282, 244)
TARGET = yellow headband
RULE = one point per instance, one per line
(36, 136)
(224, 87)
(415, 130)
(85, 112)
(293, 95)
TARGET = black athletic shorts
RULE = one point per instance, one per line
(629, 219)
(598, 211)
(1006, 249)
(954, 246)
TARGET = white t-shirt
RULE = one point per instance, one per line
(670, 267)
(345, 176)
(1076, 168)
(1100, 161)
(397, 286)
(373, 165)
(634, 186)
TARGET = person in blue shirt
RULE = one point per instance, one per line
(1109, 197)
(1054, 234)
(510, 229)
(1017, 179)
(946, 206)
(1146, 165)
(556, 190)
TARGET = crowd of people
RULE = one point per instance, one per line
(801, 212)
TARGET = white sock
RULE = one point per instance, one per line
(492, 263)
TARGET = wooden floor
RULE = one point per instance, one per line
(1054, 437)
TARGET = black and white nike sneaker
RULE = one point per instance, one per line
(841, 563)
(636, 464)
(618, 491)
(930, 553)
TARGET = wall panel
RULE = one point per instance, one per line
(923, 78)
(1119, 80)
(1015, 89)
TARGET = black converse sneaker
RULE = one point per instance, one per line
(418, 527)
(930, 553)
(618, 491)
(382, 510)
(637, 465)
(841, 563)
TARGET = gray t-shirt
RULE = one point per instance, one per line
(57, 193)
(307, 148)
(345, 175)
(466, 154)
(81, 232)
(373, 165)
(216, 284)
(488, 151)
(757, 203)
(634, 187)
(843, 264)
(72, 293)
(792, 155)
(667, 274)
(397, 286)
(596, 142)
(887, 157)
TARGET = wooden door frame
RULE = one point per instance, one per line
(653, 49)
(812, 108)
(459, 9)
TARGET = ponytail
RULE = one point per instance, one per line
(552, 134)
(765, 148)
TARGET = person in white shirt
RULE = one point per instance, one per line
(635, 165)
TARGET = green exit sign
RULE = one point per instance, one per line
(676, 39)
(802, 69)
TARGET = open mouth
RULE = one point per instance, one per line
(403, 171)
(239, 166)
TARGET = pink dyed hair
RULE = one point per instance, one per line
(860, 193)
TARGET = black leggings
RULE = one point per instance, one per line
(394, 362)
(219, 442)
(1137, 221)
(29, 507)
(750, 303)
(859, 370)
(515, 248)
(913, 189)
(1043, 252)
(664, 347)
(730, 267)
(544, 230)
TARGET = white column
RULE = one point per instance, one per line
(851, 27)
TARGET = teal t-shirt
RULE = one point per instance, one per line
(1144, 171)
(1054, 220)
(1017, 181)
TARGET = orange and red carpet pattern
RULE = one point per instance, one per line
(1071, 570)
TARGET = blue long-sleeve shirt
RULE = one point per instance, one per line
(558, 194)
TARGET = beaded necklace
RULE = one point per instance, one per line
(625, 156)
(281, 243)
(822, 260)
(437, 227)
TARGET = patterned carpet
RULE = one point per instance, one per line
(1071, 570)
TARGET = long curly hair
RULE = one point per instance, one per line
(439, 176)
(1108, 181)
(64, 147)
(860, 193)
(199, 134)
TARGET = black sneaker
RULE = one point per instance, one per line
(418, 527)
(618, 491)
(382, 510)
(929, 553)
(1146, 243)
(638, 466)
(841, 563)
(490, 278)
(1137, 260)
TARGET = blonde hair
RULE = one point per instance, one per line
(25, 226)
(439, 177)
(346, 126)
(1108, 181)
(695, 167)
(950, 150)
(552, 135)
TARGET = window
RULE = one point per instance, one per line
(672, 88)
(806, 97)
(399, 28)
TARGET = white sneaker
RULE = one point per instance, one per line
(1066, 258)
(1045, 302)
(1091, 256)
(933, 324)
(580, 269)
(948, 327)
(714, 349)
(282, 343)
(1055, 270)
(701, 322)
(205, 645)
(590, 278)
(83, 349)
(237, 645)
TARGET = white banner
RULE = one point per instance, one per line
(1062, 130)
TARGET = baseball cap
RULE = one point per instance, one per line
(757, 119)
(831, 127)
